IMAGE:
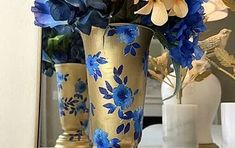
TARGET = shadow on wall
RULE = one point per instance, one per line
(228, 84)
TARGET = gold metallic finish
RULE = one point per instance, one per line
(113, 50)
(71, 124)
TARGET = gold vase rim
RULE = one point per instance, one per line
(122, 24)
(69, 64)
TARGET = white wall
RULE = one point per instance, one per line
(19, 71)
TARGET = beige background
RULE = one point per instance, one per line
(18, 74)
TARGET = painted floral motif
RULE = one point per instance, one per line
(145, 62)
(138, 115)
(122, 95)
(101, 140)
(80, 87)
(76, 136)
(93, 63)
(92, 108)
(76, 104)
(72, 106)
(127, 34)
(61, 78)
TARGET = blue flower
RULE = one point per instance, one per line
(100, 138)
(80, 87)
(145, 62)
(59, 77)
(122, 96)
(182, 35)
(126, 34)
(138, 119)
(43, 17)
(93, 63)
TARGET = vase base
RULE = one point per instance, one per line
(73, 141)
(210, 145)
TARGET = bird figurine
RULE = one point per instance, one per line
(217, 41)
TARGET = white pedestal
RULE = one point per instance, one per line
(228, 124)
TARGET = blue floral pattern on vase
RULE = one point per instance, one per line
(127, 34)
(122, 95)
(93, 63)
(138, 115)
(76, 104)
(60, 79)
(101, 140)
(80, 87)
(72, 106)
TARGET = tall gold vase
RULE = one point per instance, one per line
(73, 105)
(117, 60)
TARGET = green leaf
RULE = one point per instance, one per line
(53, 43)
(178, 82)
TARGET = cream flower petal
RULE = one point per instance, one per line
(180, 8)
(168, 4)
(159, 14)
(146, 9)
(136, 1)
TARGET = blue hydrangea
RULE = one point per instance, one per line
(182, 35)
(93, 63)
(122, 96)
(100, 138)
(43, 16)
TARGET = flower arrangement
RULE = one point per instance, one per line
(176, 23)
(58, 49)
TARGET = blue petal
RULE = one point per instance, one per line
(127, 49)
(133, 52)
(111, 32)
(127, 128)
(109, 87)
(108, 96)
(117, 79)
(136, 45)
(125, 80)
(120, 128)
(103, 91)
(59, 10)
(111, 107)
(97, 4)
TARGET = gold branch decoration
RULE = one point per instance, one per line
(225, 59)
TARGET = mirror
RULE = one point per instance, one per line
(55, 44)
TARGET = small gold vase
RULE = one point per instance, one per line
(117, 60)
(73, 105)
